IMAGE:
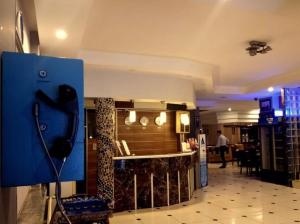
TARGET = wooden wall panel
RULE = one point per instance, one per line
(151, 139)
(211, 133)
(92, 168)
(148, 140)
(232, 135)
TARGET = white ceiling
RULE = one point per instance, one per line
(201, 40)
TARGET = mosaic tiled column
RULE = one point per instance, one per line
(105, 136)
(292, 118)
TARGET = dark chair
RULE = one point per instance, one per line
(243, 160)
(250, 159)
(238, 154)
(235, 154)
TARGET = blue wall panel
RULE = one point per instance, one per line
(23, 159)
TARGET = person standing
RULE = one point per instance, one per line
(222, 142)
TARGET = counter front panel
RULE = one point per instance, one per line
(152, 181)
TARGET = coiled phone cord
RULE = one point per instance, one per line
(57, 173)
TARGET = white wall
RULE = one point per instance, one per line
(230, 117)
(7, 24)
(127, 85)
(208, 118)
(23, 191)
(8, 196)
(67, 189)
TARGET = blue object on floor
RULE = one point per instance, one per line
(23, 159)
(78, 205)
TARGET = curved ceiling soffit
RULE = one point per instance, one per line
(204, 75)
(179, 67)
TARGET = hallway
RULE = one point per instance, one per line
(230, 198)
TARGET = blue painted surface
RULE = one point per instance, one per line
(203, 172)
(203, 175)
(23, 159)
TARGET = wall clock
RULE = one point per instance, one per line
(144, 121)
(157, 121)
(127, 121)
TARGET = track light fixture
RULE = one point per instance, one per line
(258, 47)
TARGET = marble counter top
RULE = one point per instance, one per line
(156, 156)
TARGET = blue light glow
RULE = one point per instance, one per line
(292, 102)
(278, 113)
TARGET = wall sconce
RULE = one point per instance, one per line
(182, 122)
(132, 116)
(163, 117)
(184, 119)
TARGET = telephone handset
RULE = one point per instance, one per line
(67, 102)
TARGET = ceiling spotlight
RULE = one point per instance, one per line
(61, 34)
(229, 109)
(258, 47)
(270, 89)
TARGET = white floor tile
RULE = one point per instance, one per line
(230, 198)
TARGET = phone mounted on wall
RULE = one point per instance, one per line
(67, 102)
(54, 86)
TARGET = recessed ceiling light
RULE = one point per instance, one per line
(229, 109)
(1, 28)
(61, 34)
(271, 89)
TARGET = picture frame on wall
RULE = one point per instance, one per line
(119, 147)
(126, 148)
(265, 104)
(19, 31)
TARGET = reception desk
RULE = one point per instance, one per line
(153, 180)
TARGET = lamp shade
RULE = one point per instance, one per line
(132, 116)
(163, 117)
(184, 119)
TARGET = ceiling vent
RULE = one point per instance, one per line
(258, 47)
